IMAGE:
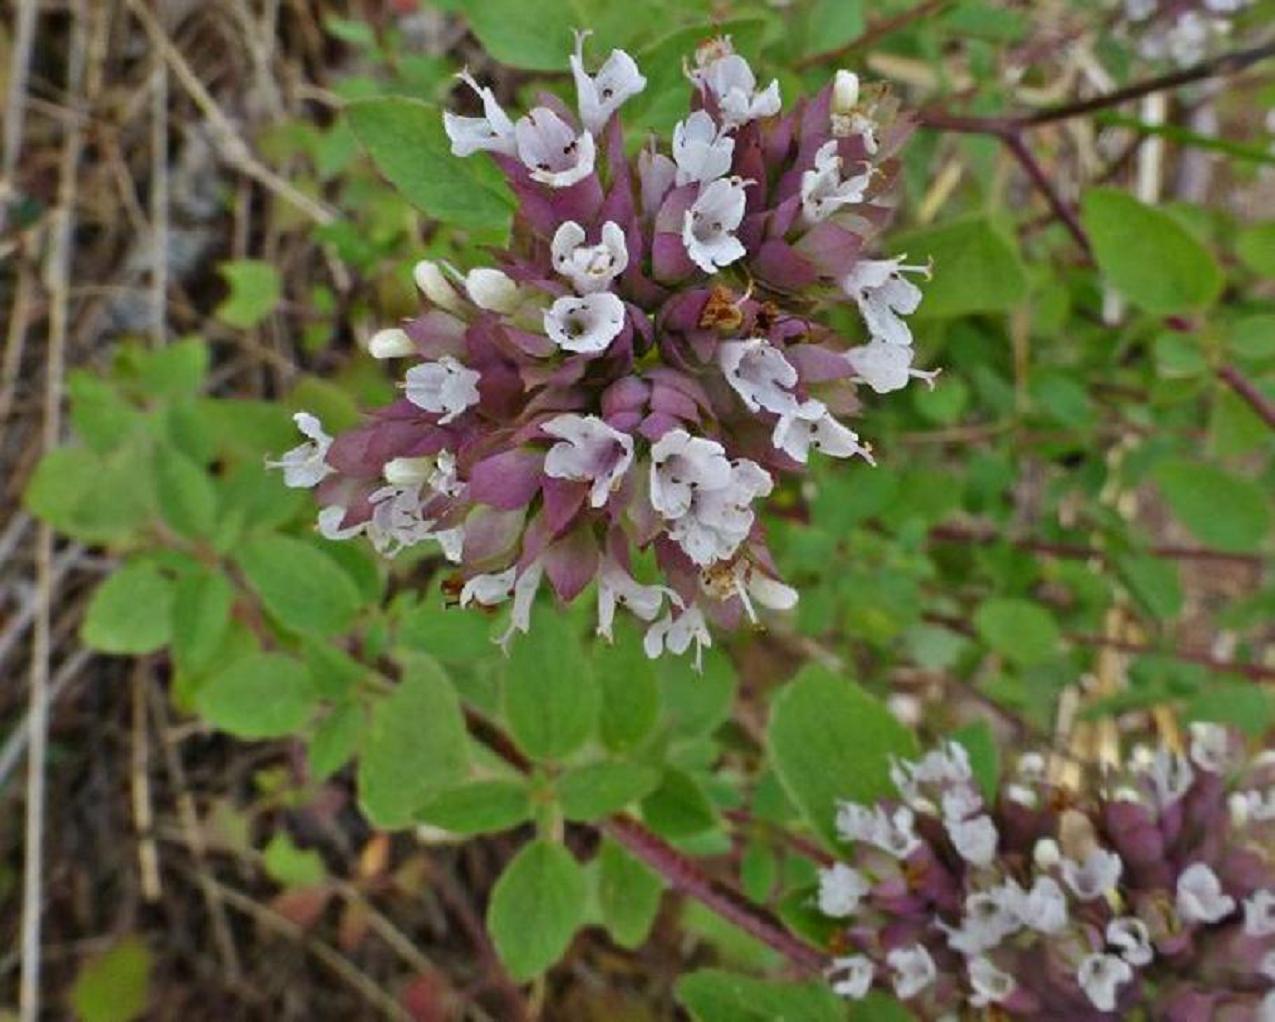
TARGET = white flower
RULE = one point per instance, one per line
(589, 267)
(1259, 914)
(1210, 747)
(329, 524)
(677, 633)
(1261, 807)
(749, 584)
(681, 464)
(1131, 936)
(732, 83)
(974, 840)
(893, 834)
(590, 451)
(1266, 1010)
(616, 586)
(1044, 907)
(656, 174)
(710, 223)
(434, 285)
(494, 131)
(588, 324)
(492, 290)
(840, 889)
(851, 976)
(887, 367)
(990, 984)
(396, 521)
(392, 342)
(304, 465)
(884, 296)
(489, 590)
(824, 190)
(701, 150)
(990, 917)
(914, 970)
(1094, 877)
(1171, 775)
(1099, 975)
(812, 426)
(759, 374)
(1200, 898)
(439, 472)
(553, 153)
(719, 520)
(845, 91)
(601, 94)
(960, 802)
(949, 763)
(1267, 969)
(445, 387)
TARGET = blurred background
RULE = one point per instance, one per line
(1065, 542)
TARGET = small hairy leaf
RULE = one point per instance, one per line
(131, 612)
(535, 908)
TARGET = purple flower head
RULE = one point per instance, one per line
(612, 401)
(1054, 903)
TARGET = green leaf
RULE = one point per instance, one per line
(678, 808)
(92, 498)
(335, 740)
(1147, 255)
(1256, 248)
(536, 37)
(1220, 509)
(1253, 338)
(829, 741)
(480, 807)
(551, 700)
(416, 745)
(254, 292)
(985, 757)
(976, 268)
(264, 695)
(628, 895)
(1023, 631)
(173, 371)
(304, 589)
(100, 414)
(630, 693)
(292, 866)
(1236, 704)
(114, 986)
(201, 615)
(713, 995)
(535, 908)
(186, 496)
(590, 792)
(406, 141)
(833, 23)
(131, 612)
(1154, 583)
(696, 704)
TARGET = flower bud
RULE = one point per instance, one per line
(492, 290)
(845, 91)
(1046, 854)
(429, 278)
(408, 471)
(391, 342)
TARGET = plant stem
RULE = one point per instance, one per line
(1248, 392)
(877, 30)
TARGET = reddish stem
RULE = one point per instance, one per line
(1249, 393)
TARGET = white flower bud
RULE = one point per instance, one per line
(1046, 854)
(408, 471)
(391, 342)
(1238, 804)
(434, 286)
(492, 290)
(845, 91)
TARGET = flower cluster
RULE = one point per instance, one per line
(1153, 897)
(609, 402)
(1180, 31)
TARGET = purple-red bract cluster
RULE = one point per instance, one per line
(652, 351)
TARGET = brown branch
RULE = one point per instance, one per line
(683, 875)
(1018, 148)
(876, 31)
(1248, 392)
